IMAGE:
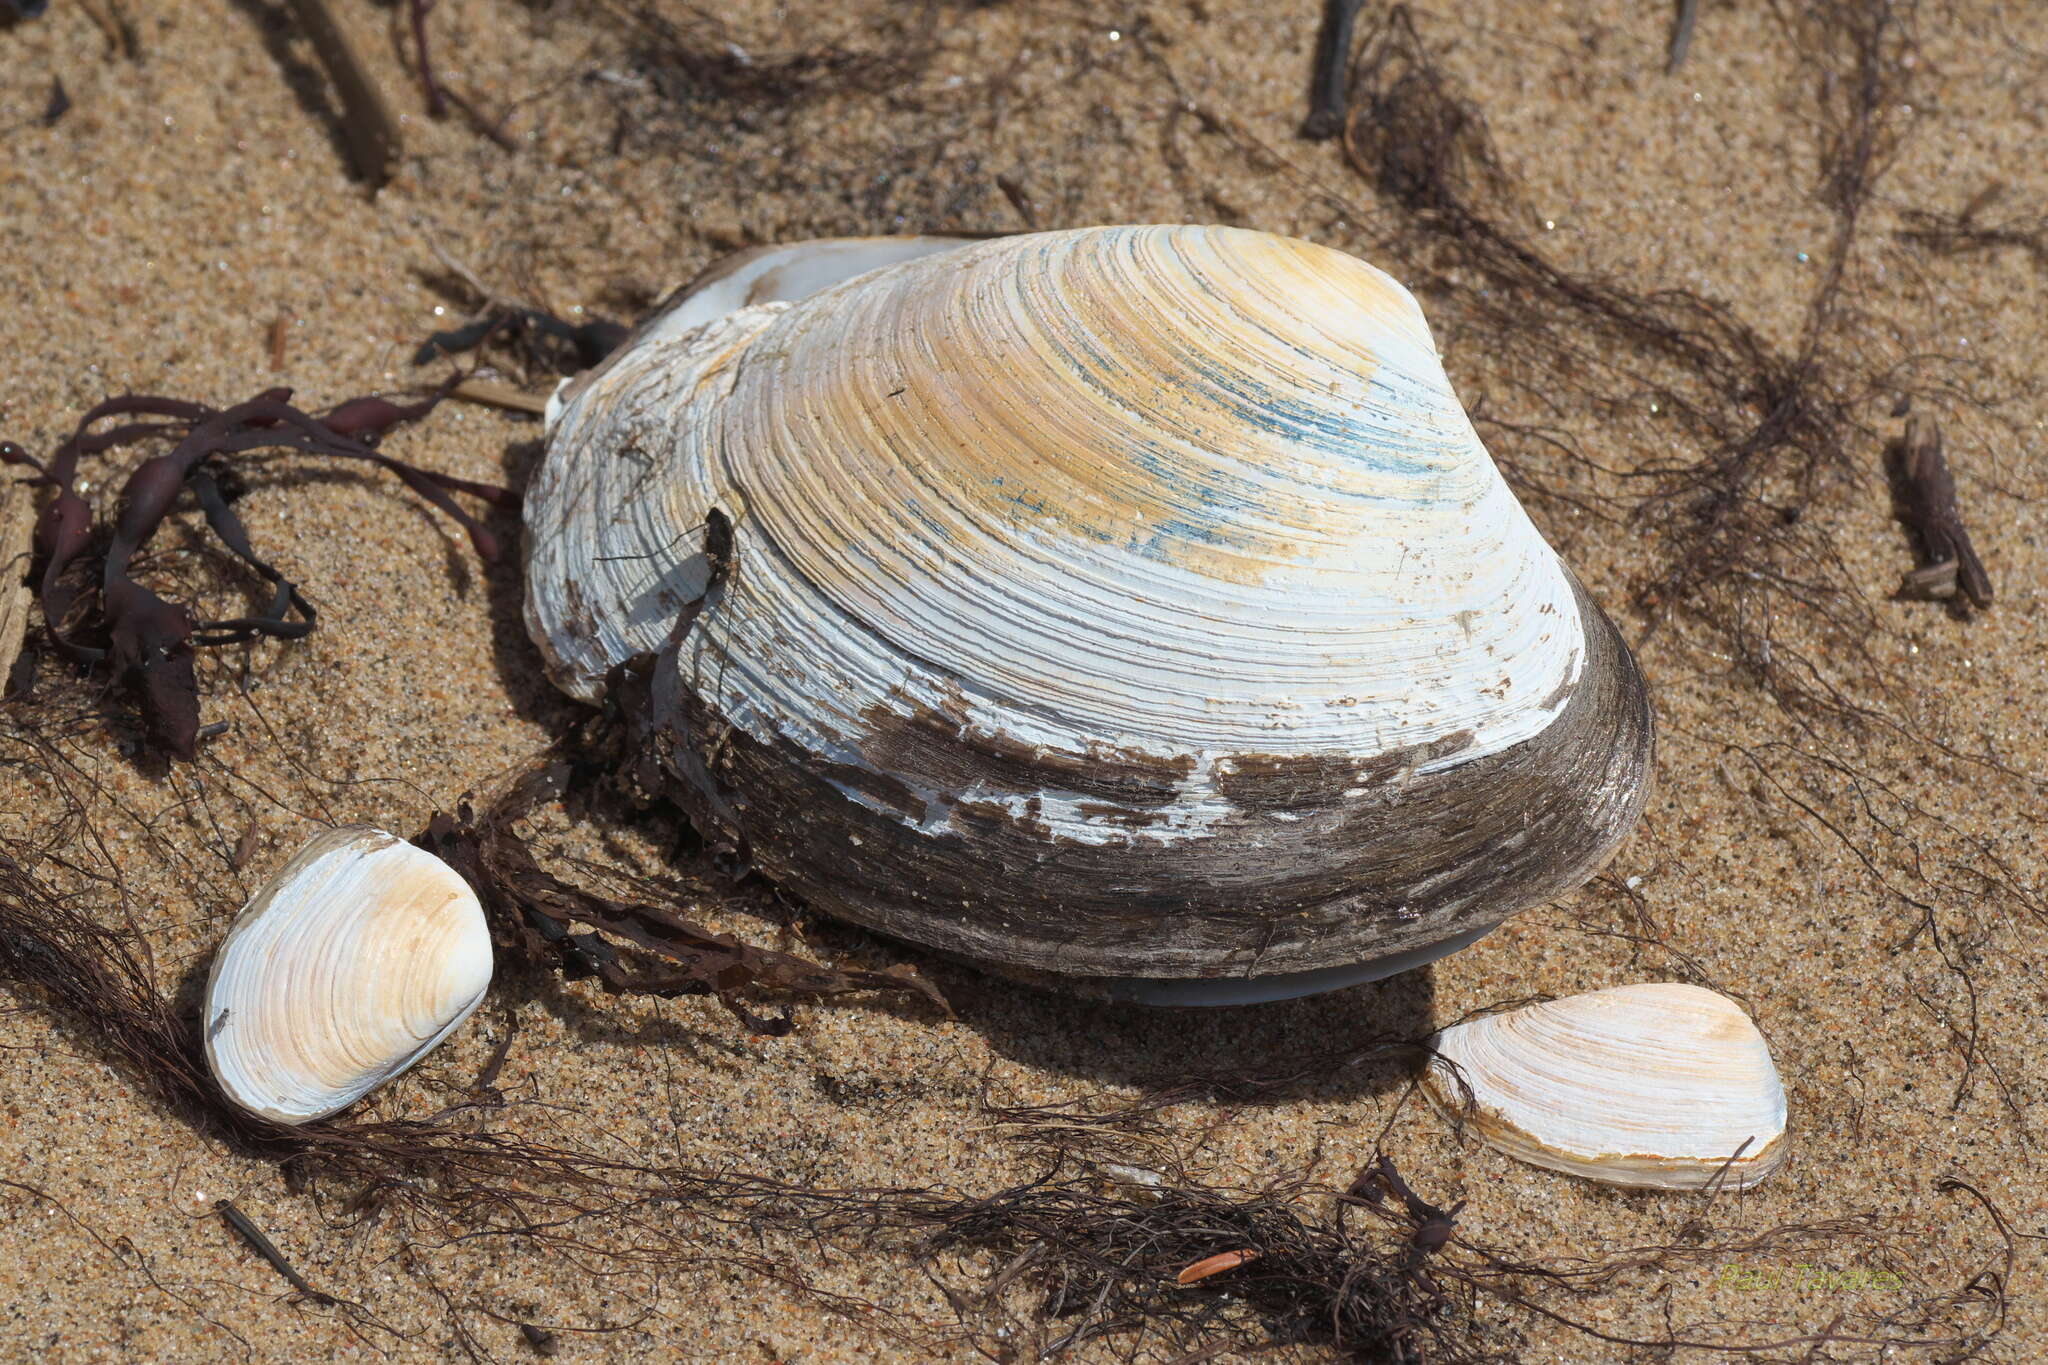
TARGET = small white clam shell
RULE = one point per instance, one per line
(351, 964)
(1652, 1086)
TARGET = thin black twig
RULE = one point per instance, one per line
(1329, 87)
(437, 107)
(262, 1246)
(374, 142)
(1681, 34)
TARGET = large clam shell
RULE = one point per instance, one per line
(350, 964)
(1125, 602)
(1654, 1086)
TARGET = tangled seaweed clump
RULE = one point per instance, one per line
(97, 614)
(634, 946)
(1762, 427)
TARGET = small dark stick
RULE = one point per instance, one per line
(1927, 503)
(439, 97)
(280, 336)
(114, 24)
(1013, 190)
(487, 1079)
(1681, 34)
(373, 140)
(17, 526)
(436, 106)
(499, 396)
(261, 1245)
(1328, 91)
(1980, 201)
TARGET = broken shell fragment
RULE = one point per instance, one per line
(1133, 604)
(346, 968)
(1216, 1265)
(1652, 1086)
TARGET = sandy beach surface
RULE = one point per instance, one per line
(1873, 893)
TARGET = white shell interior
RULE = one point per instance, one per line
(786, 273)
(779, 274)
(360, 956)
(1652, 1085)
(1177, 491)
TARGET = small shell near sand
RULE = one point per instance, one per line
(1655, 1086)
(351, 964)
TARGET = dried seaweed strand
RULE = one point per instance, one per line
(96, 613)
(637, 948)
(1380, 1273)
(696, 56)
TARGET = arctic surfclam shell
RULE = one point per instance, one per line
(353, 962)
(1654, 1086)
(1117, 603)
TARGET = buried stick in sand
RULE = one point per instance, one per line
(17, 521)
